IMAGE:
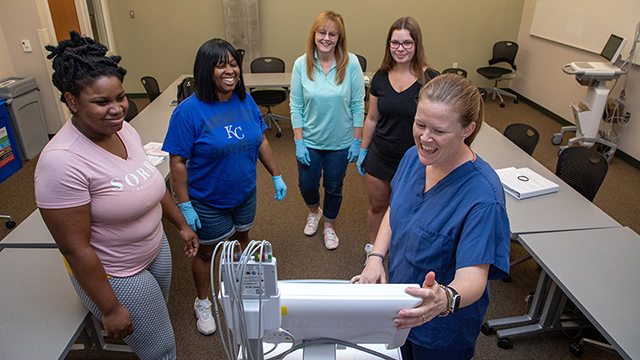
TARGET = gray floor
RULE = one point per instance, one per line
(305, 257)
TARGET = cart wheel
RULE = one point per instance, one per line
(504, 343)
(576, 349)
(278, 134)
(10, 224)
(486, 329)
(515, 101)
(556, 139)
(609, 156)
(502, 105)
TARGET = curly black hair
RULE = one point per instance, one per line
(79, 62)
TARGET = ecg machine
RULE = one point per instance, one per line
(588, 113)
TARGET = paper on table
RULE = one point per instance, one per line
(525, 183)
(155, 153)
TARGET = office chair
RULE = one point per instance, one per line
(363, 65)
(363, 62)
(583, 169)
(503, 51)
(10, 223)
(151, 86)
(241, 53)
(269, 97)
(132, 112)
(458, 71)
(523, 135)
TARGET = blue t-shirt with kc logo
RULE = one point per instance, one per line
(221, 141)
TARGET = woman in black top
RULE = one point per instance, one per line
(392, 107)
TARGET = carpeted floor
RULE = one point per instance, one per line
(302, 257)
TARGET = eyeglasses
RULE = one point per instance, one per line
(322, 33)
(407, 45)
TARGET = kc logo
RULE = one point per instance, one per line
(234, 132)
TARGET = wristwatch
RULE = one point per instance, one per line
(453, 300)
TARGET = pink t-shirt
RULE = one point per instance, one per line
(126, 227)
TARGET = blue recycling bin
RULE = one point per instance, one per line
(9, 155)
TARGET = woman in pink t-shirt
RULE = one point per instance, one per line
(103, 202)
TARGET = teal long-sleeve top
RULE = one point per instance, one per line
(327, 112)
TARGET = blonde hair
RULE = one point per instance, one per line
(418, 62)
(341, 53)
(461, 95)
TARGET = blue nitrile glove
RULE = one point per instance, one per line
(354, 149)
(363, 154)
(302, 153)
(190, 215)
(281, 187)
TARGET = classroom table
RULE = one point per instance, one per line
(262, 80)
(561, 211)
(598, 270)
(31, 233)
(40, 312)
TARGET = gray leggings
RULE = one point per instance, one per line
(145, 295)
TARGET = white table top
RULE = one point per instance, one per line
(32, 232)
(37, 305)
(561, 211)
(598, 270)
(266, 80)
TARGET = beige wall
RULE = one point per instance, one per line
(6, 65)
(453, 31)
(163, 38)
(540, 78)
(21, 20)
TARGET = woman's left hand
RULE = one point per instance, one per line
(281, 187)
(190, 240)
(434, 302)
(354, 150)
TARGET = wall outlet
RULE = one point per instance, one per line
(455, 65)
(132, 14)
(26, 46)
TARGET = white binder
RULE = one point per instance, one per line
(525, 183)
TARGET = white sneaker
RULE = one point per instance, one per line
(331, 240)
(367, 248)
(202, 311)
(312, 223)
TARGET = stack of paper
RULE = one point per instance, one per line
(525, 183)
(155, 153)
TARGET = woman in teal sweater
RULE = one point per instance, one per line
(327, 114)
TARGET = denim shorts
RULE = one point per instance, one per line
(219, 224)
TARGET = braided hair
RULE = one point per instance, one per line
(79, 62)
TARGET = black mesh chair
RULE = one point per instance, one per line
(269, 97)
(503, 51)
(363, 62)
(523, 135)
(583, 169)
(151, 87)
(241, 53)
(458, 71)
(132, 112)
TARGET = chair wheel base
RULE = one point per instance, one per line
(279, 134)
(10, 224)
(505, 343)
(486, 329)
(576, 349)
(515, 101)
(502, 105)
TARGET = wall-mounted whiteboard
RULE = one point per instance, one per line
(586, 24)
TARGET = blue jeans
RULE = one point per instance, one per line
(331, 165)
